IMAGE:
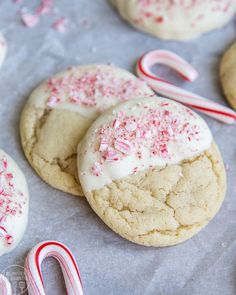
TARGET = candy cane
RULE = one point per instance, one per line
(66, 260)
(164, 87)
(5, 286)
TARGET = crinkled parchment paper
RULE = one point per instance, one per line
(109, 264)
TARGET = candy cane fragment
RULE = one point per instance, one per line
(164, 87)
(5, 286)
(63, 255)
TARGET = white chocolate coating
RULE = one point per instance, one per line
(88, 90)
(3, 49)
(59, 112)
(178, 19)
(14, 203)
(137, 135)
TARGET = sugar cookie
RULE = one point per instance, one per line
(141, 168)
(228, 75)
(177, 20)
(60, 111)
(14, 202)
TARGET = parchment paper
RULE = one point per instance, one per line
(109, 264)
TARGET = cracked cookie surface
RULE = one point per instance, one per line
(50, 140)
(164, 206)
(59, 112)
(151, 171)
(228, 75)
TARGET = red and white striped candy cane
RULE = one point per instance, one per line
(5, 286)
(66, 260)
(164, 87)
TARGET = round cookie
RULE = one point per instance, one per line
(3, 49)
(177, 20)
(152, 172)
(14, 203)
(59, 112)
(228, 75)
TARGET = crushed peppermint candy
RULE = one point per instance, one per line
(60, 25)
(103, 146)
(30, 20)
(116, 124)
(110, 155)
(161, 11)
(123, 145)
(11, 199)
(52, 101)
(96, 169)
(45, 7)
(97, 88)
(154, 129)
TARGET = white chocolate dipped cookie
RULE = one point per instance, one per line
(228, 75)
(151, 171)
(177, 20)
(59, 112)
(3, 49)
(14, 203)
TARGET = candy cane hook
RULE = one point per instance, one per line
(66, 260)
(164, 87)
(5, 286)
